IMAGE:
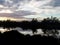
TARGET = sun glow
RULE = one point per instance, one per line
(5, 18)
(3, 30)
(13, 19)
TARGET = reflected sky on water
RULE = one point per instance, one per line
(25, 32)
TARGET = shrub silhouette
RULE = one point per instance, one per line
(16, 36)
(50, 24)
(47, 24)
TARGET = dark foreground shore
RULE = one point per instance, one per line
(16, 37)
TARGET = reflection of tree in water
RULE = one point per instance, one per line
(50, 32)
(48, 25)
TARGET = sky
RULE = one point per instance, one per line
(28, 9)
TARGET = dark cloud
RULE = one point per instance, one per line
(17, 14)
(16, 1)
(54, 3)
(8, 3)
(20, 1)
(39, 0)
(22, 12)
(13, 3)
(2, 2)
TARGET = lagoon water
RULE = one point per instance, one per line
(25, 32)
(28, 31)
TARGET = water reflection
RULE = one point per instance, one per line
(29, 31)
(2, 30)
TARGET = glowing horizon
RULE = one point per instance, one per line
(26, 9)
(13, 19)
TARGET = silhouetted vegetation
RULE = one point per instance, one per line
(14, 36)
(48, 24)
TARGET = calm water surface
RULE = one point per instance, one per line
(20, 30)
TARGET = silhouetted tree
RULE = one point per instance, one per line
(15, 36)
(46, 24)
(50, 24)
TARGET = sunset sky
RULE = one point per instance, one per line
(28, 9)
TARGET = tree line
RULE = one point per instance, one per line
(47, 24)
(14, 37)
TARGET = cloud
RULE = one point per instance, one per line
(16, 14)
(6, 11)
(2, 2)
(27, 8)
(11, 3)
(39, 0)
(54, 3)
(23, 12)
